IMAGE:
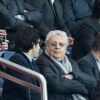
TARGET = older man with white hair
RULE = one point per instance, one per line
(64, 79)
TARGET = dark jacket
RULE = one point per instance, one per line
(74, 12)
(13, 91)
(52, 16)
(96, 92)
(88, 65)
(60, 88)
(9, 10)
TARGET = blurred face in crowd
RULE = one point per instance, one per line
(3, 40)
(56, 47)
(35, 50)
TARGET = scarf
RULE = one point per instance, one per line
(66, 67)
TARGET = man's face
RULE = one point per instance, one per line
(56, 47)
(36, 49)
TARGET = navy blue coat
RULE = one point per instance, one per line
(88, 65)
(13, 91)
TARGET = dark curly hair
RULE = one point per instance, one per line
(25, 38)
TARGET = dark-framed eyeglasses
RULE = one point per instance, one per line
(55, 44)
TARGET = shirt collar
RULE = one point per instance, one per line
(52, 1)
(29, 57)
(95, 56)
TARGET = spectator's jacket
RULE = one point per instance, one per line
(60, 88)
(88, 65)
(9, 9)
(13, 91)
(52, 16)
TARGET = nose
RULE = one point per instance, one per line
(57, 45)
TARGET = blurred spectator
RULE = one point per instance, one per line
(18, 13)
(26, 47)
(3, 41)
(75, 12)
(90, 64)
(86, 33)
(52, 16)
(64, 79)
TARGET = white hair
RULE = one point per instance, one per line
(57, 32)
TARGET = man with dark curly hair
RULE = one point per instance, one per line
(26, 48)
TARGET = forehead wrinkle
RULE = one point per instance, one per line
(57, 38)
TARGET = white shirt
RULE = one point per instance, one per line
(52, 1)
(98, 63)
(29, 57)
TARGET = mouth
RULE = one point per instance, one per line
(57, 52)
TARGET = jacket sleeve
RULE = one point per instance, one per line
(5, 16)
(68, 14)
(8, 19)
(33, 14)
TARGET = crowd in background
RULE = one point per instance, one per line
(69, 34)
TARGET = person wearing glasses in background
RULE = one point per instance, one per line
(64, 79)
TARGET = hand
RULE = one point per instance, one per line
(68, 76)
(25, 11)
(70, 41)
(21, 17)
(4, 45)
